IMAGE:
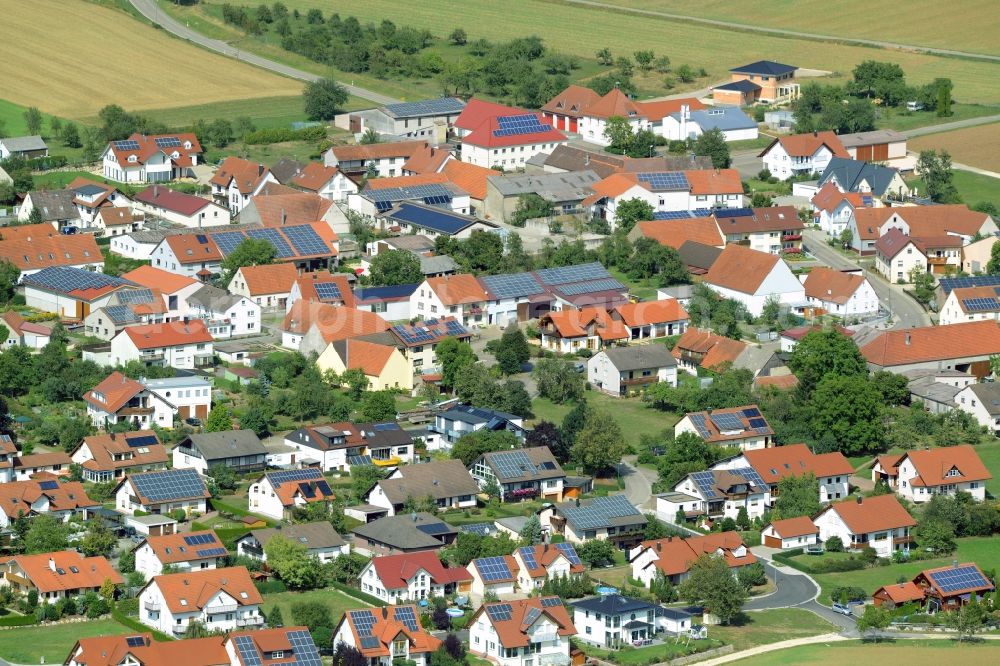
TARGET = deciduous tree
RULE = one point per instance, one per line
(711, 583)
(394, 267)
(713, 144)
(600, 444)
(324, 99)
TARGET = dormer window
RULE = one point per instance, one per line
(278, 654)
(132, 158)
(184, 602)
(243, 595)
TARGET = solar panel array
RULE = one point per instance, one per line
(527, 123)
(281, 246)
(607, 284)
(48, 485)
(482, 529)
(280, 477)
(528, 556)
(549, 602)
(600, 511)
(359, 460)
(698, 421)
(429, 107)
(437, 200)
(727, 422)
(363, 621)
(121, 314)
(291, 241)
(578, 273)
(199, 539)
(68, 278)
(515, 285)
(532, 615)
(169, 484)
(409, 193)
(706, 484)
(454, 328)
(168, 142)
(500, 612)
(512, 464)
(135, 641)
(211, 552)
(949, 283)
(759, 425)
(493, 569)
(135, 296)
(328, 291)
(303, 648)
(405, 616)
(127, 145)
(142, 440)
(305, 240)
(248, 651)
(228, 240)
(981, 304)
(413, 335)
(751, 475)
(433, 529)
(569, 551)
(734, 212)
(751, 412)
(436, 219)
(665, 180)
(681, 214)
(959, 578)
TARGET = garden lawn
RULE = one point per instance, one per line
(337, 601)
(990, 454)
(771, 626)
(905, 120)
(634, 417)
(32, 645)
(981, 550)
(910, 652)
(972, 187)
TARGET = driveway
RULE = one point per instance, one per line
(151, 11)
(638, 483)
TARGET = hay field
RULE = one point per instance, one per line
(909, 652)
(581, 31)
(975, 146)
(964, 25)
(70, 58)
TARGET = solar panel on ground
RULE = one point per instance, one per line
(499, 612)
(578, 273)
(274, 237)
(169, 484)
(608, 284)
(726, 422)
(303, 648)
(305, 240)
(406, 616)
(569, 552)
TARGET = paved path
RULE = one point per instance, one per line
(638, 483)
(904, 309)
(949, 126)
(149, 9)
(784, 33)
(771, 647)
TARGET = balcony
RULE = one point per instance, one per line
(253, 551)
(152, 606)
(179, 629)
(937, 261)
(252, 621)
(135, 411)
(544, 638)
(791, 237)
(553, 659)
(901, 540)
(221, 608)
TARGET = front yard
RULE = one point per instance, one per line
(630, 656)
(632, 414)
(334, 599)
(50, 644)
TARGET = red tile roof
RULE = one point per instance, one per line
(105, 446)
(314, 176)
(458, 289)
(395, 570)
(37, 246)
(199, 587)
(269, 278)
(829, 197)
(929, 344)
(332, 322)
(66, 570)
(651, 312)
(674, 233)
(572, 101)
(486, 137)
(776, 463)
(112, 651)
(157, 278)
(933, 465)
(545, 555)
(147, 148)
(307, 286)
(368, 357)
(171, 200)
(714, 181)
(901, 593)
(248, 175)
(387, 628)
(469, 177)
(514, 632)
(774, 218)
(571, 323)
(428, 159)
(172, 334)
(675, 555)
(278, 210)
(780, 382)
(794, 527)
(117, 390)
(865, 515)
(927, 576)
(173, 548)
(741, 269)
(827, 284)
(806, 145)
(714, 350)
(18, 496)
(374, 151)
(478, 111)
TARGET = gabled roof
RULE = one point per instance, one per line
(533, 463)
(806, 145)
(105, 446)
(18, 496)
(640, 357)
(849, 175)
(933, 343)
(145, 146)
(756, 220)
(490, 573)
(269, 278)
(116, 216)
(544, 555)
(172, 334)
(935, 466)
(572, 323)
(213, 300)
(829, 197)
(742, 269)
(613, 604)
(572, 101)
(113, 392)
(184, 546)
(277, 210)
(172, 200)
(794, 527)
(865, 515)
(765, 68)
(318, 535)
(409, 533)
(284, 646)
(375, 151)
(368, 357)
(478, 111)
(743, 86)
(166, 485)
(440, 479)
(308, 282)
(675, 233)
(874, 137)
(376, 629)
(613, 103)
(514, 619)
(955, 580)
(285, 169)
(113, 650)
(66, 570)
(674, 555)
(776, 463)
(469, 177)
(224, 444)
(722, 425)
(247, 175)
(939, 220)
(988, 394)
(314, 176)
(901, 593)
(43, 247)
(457, 289)
(490, 134)
(191, 590)
(308, 485)
(429, 332)
(395, 571)
(16, 144)
(827, 284)
(714, 181)
(600, 513)
(698, 257)
(332, 322)
(715, 350)
(428, 159)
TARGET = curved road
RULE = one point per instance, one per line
(151, 11)
(854, 41)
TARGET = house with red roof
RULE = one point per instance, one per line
(120, 399)
(672, 194)
(797, 154)
(70, 292)
(26, 333)
(798, 532)
(222, 600)
(542, 562)
(175, 289)
(151, 159)
(384, 365)
(93, 198)
(653, 116)
(703, 349)
(58, 575)
(460, 296)
(386, 159)
(387, 635)
(672, 557)
(412, 576)
(918, 475)
(754, 278)
(833, 209)
(142, 650)
(841, 293)
(965, 347)
(570, 330)
(267, 285)
(325, 181)
(772, 464)
(162, 203)
(507, 632)
(509, 140)
(181, 345)
(321, 287)
(775, 229)
(493, 575)
(237, 180)
(878, 522)
(33, 247)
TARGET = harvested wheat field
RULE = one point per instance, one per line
(975, 146)
(70, 58)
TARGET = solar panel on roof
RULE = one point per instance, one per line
(135, 296)
(274, 237)
(406, 616)
(211, 552)
(169, 484)
(431, 107)
(135, 641)
(512, 464)
(434, 529)
(578, 273)
(726, 422)
(698, 420)
(757, 423)
(520, 125)
(569, 552)
(305, 240)
(121, 314)
(532, 615)
(436, 219)
(455, 329)
(751, 411)
(167, 141)
(493, 569)
(948, 284)
(280, 477)
(248, 651)
(608, 284)
(600, 512)
(665, 180)
(499, 612)
(383, 427)
(199, 539)
(303, 648)
(369, 642)
(549, 602)
(706, 483)
(328, 291)
(959, 578)
(142, 440)
(363, 621)
(227, 241)
(382, 206)
(48, 485)
(127, 145)
(67, 279)
(980, 304)
(528, 557)
(515, 285)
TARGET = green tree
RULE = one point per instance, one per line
(458, 37)
(572, 423)
(923, 284)
(968, 620)
(71, 136)
(713, 144)
(936, 173)
(936, 535)
(291, 561)
(316, 616)
(363, 479)
(894, 388)
(98, 540)
(631, 211)
(394, 267)
(472, 445)
(531, 533)
(45, 535)
(324, 99)
(274, 618)
(258, 416)
(850, 409)
(797, 496)
(822, 353)
(651, 259)
(55, 126)
(711, 583)
(10, 275)
(597, 552)
(751, 576)
(33, 120)
(530, 206)
(558, 380)
(604, 57)
(943, 103)
(873, 620)
(600, 444)
(378, 406)
(369, 137)
(547, 434)
(454, 357)
(512, 350)
(250, 252)
(992, 266)
(618, 132)
(225, 477)
(220, 419)
(644, 59)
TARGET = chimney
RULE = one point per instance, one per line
(260, 169)
(52, 564)
(815, 133)
(578, 502)
(861, 499)
(907, 338)
(685, 114)
(413, 516)
(659, 546)
(385, 613)
(954, 564)
(283, 217)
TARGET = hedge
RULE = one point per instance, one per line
(358, 594)
(820, 566)
(121, 618)
(281, 134)
(17, 620)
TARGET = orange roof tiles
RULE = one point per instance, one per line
(157, 278)
(794, 527)
(147, 148)
(776, 463)
(614, 103)
(18, 496)
(278, 210)
(717, 434)
(116, 389)
(714, 181)
(773, 218)
(806, 145)
(934, 343)
(105, 446)
(332, 322)
(173, 548)
(314, 176)
(428, 159)
(189, 250)
(780, 382)
(933, 466)
(514, 632)
(172, 334)
(572, 101)
(829, 197)
(469, 177)
(395, 570)
(374, 151)
(963, 294)
(248, 175)
(66, 570)
(457, 289)
(714, 350)
(407, 181)
(741, 269)
(658, 110)
(865, 515)
(112, 651)
(269, 278)
(387, 628)
(368, 357)
(116, 216)
(43, 246)
(927, 577)
(901, 593)
(674, 233)
(827, 284)
(197, 588)
(477, 111)
(487, 134)
(676, 555)
(571, 323)
(544, 556)
(307, 286)
(651, 312)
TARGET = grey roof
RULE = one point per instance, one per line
(411, 242)
(312, 535)
(917, 373)
(677, 497)
(672, 613)
(613, 604)
(850, 173)
(152, 519)
(600, 513)
(540, 464)
(402, 532)
(868, 138)
(55, 204)
(214, 299)
(17, 144)
(721, 117)
(989, 395)
(482, 529)
(440, 479)
(678, 290)
(475, 415)
(570, 186)
(698, 255)
(768, 67)
(285, 169)
(753, 358)
(928, 389)
(512, 523)
(743, 85)
(640, 357)
(148, 235)
(439, 263)
(573, 159)
(226, 444)
(444, 106)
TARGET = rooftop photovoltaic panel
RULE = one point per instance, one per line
(726, 422)
(519, 125)
(706, 483)
(228, 240)
(959, 578)
(437, 200)
(248, 651)
(405, 616)
(759, 424)
(608, 284)
(515, 285)
(405, 193)
(512, 464)
(169, 484)
(273, 237)
(359, 460)
(493, 569)
(579, 273)
(433, 529)
(427, 107)
(168, 142)
(600, 511)
(681, 214)
(121, 314)
(48, 485)
(734, 212)
(369, 642)
(949, 283)
(328, 291)
(412, 335)
(211, 552)
(363, 621)
(127, 145)
(141, 440)
(532, 615)
(482, 529)
(135, 641)
(665, 180)
(751, 412)
(135, 296)
(303, 648)
(980, 304)
(440, 220)
(305, 240)
(569, 552)
(500, 612)
(280, 477)
(199, 539)
(751, 475)
(528, 556)
(454, 328)
(383, 206)
(68, 278)
(549, 602)
(698, 421)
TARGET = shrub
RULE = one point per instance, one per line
(844, 594)
(281, 134)
(763, 174)
(834, 544)
(270, 586)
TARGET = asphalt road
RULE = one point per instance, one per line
(638, 483)
(784, 33)
(149, 9)
(905, 311)
(947, 127)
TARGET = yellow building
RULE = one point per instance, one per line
(383, 365)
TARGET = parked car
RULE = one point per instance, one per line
(192, 421)
(843, 609)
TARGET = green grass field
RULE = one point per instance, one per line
(632, 414)
(771, 626)
(972, 187)
(909, 652)
(981, 550)
(32, 645)
(267, 112)
(581, 31)
(904, 120)
(337, 601)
